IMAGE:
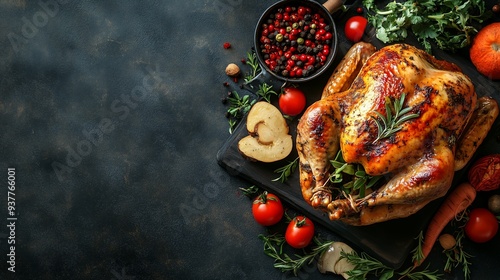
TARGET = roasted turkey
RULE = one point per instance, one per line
(415, 153)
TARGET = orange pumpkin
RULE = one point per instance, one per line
(485, 51)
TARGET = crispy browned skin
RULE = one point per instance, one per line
(418, 160)
(317, 141)
(480, 123)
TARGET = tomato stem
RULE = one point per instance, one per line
(300, 221)
(263, 198)
(495, 47)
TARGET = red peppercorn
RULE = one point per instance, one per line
(359, 10)
(227, 45)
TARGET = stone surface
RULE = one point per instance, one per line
(111, 116)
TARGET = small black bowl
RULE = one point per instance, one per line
(316, 8)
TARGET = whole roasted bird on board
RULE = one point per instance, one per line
(409, 119)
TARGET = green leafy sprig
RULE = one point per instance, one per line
(273, 247)
(395, 116)
(365, 265)
(457, 256)
(254, 65)
(450, 24)
(417, 253)
(266, 91)
(251, 192)
(238, 107)
(352, 176)
(286, 170)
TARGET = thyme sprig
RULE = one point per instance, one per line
(358, 180)
(364, 265)
(273, 247)
(238, 107)
(254, 65)
(395, 115)
(286, 170)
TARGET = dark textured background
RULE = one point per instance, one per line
(146, 199)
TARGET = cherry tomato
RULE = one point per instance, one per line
(292, 101)
(300, 232)
(354, 28)
(482, 225)
(267, 209)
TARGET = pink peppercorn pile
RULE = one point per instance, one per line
(295, 41)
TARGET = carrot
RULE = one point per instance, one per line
(456, 202)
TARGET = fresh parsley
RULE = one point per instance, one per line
(449, 24)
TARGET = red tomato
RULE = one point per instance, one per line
(292, 101)
(482, 225)
(354, 28)
(267, 209)
(300, 232)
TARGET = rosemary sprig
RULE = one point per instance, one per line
(364, 265)
(273, 247)
(395, 115)
(286, 170)
(417, 254)
(238, 107)
(457, 256)
(357, 179)
(254, 64)
(265, 91)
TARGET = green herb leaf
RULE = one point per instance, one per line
(273, 247)
(395, 116)
(286, 170)
(352, 176)
(238, 107)
(254, 64)
(251, 191)
(266, 91)
(449, 24)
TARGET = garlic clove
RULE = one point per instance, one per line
(332, 261)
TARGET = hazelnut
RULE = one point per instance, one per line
(494, 203)
(232, 70)
(447, 241)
